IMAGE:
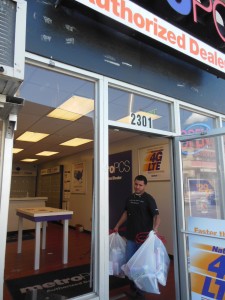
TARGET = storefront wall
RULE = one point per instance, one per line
(67, 41)
(171, 118)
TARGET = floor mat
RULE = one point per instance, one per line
(60, 284)
(13, 236)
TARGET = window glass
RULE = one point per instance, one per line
(138, 111)
(52, 88)
(58, 109)
(192, 122)
(202, 186)
(202, 183)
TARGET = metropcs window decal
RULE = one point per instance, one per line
(145, 22)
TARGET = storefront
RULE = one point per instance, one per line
(116, 91)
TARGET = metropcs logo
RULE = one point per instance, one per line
(120, 167)
(216, 8)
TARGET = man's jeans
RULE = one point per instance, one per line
(131, 248)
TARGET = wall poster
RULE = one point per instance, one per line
(78, 183)
(201, 197)
(154, 162)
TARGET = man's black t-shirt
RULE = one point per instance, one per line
(140, 212)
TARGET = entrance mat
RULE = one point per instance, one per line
(60, 284)
(13, 236)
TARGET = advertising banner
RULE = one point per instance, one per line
(150, 25)
(202, 197)
(120, 184)
(207, 258)
(154, 162)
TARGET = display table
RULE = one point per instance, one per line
(23, 202)
(41, 215)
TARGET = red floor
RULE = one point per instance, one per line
(20, 265)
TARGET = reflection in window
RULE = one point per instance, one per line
(202, 186)
(200, 169)
(194, 123)
(52, 88)
(139, 111)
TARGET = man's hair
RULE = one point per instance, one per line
(141, 178)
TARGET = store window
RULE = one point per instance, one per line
(138, 110)
(192, 122)
(54, 142)
(200, 158)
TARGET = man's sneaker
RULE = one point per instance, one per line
(140, 295)
(135, 294)
(131, 294)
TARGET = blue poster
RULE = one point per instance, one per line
(120, 184)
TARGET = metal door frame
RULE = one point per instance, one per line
(181, 272)
(8, 114)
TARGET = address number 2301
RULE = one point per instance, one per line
(139, 120)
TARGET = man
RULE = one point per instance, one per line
(142, 216)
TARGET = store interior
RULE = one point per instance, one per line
(44, 170)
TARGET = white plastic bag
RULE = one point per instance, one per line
(149, 265)
(162, 261)
(117, 254)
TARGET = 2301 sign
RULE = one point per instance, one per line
(140, 120)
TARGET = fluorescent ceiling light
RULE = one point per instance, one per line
(64, 115)
(47, 153)
(32, 137)
(73, 109)
(17, 150)
(76, 142)
(29, 159)
(128, 119)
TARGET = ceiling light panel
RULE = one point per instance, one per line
(76, 142)
(32, 137)
(47, 153)
(73, 109)
(59, 113)
(17, 150)
(29, 159)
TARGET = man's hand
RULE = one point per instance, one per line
(155, 230)
(115, 229)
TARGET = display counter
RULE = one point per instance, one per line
(23, 202)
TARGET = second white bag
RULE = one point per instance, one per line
(117, 254)
(149, 265)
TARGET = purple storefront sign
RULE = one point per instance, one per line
(120, 184)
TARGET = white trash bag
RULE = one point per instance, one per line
(149, 265)
(162, 261)
(117, 254)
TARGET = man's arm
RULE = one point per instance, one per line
(121, 221)
(156, 222)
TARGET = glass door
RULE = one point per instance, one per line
(8, 119)
(200, 211)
